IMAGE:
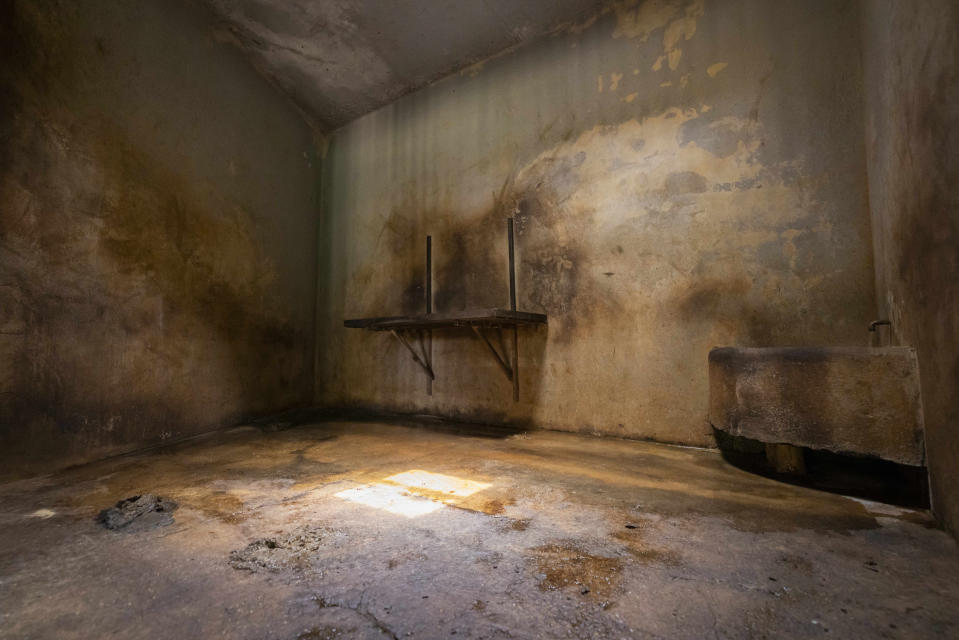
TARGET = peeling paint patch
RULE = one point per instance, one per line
(674, 56)
(714, 69)
(641, 19)
(681, 29)
(640, 22)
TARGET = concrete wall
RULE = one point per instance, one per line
(683, 174)
(157, 232)
(911, 62)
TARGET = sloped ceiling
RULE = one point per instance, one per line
(340, 59)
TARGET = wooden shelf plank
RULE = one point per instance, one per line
(477, 318)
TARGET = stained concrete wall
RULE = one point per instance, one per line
(683, 174)
(157, 232)
(911, 64)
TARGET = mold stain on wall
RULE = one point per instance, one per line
(138, 303)
(701, 213)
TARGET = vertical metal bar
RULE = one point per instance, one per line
(429, 308)
(515, 364)
(512, 266)
(429, 274)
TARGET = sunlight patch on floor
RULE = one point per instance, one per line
(413, 493)
(391, 499)
(437, 482)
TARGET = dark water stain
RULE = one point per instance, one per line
(683, 182)
(728, 300)
(393, 282)
(714, 296)
(471, 259)
(470, 252)
(555, 255)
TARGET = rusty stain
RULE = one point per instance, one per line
(567, 564)
(641, 550)
(222, 505)
(480, 504)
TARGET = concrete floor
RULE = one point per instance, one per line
(373, 530)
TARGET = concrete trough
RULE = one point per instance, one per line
(855, 400)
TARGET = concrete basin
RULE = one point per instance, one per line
(856, 400)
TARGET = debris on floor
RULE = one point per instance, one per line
(292, 551)
(146, 510)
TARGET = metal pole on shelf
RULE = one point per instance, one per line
(429, 308)
(512, 306)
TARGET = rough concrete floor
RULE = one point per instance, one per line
(371, 530)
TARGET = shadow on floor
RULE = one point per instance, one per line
(303, 416)
(849, 475)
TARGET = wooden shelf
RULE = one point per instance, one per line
(415, 332)
(482, 318)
